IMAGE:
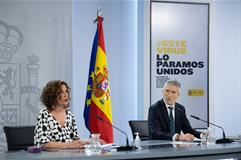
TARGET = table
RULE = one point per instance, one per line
(155, 149)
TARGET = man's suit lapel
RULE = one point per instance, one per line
(164, 113)
(177, 116)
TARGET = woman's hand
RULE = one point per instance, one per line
(76, 144)
(102, 141)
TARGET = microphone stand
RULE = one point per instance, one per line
(218, 141)
(121, 148)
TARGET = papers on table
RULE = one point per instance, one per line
(106, 147)
(109, 147)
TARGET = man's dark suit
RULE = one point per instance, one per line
(159, 124)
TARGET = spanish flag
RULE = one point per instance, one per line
(98, 102)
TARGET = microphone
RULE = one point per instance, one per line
(218, 141)
(121, 148)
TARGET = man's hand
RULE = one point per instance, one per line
(186, 137)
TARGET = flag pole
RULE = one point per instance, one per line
(99, 12)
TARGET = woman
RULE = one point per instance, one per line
(56, 126)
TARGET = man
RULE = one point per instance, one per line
(167, 118)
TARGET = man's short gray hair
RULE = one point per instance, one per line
(173, 83)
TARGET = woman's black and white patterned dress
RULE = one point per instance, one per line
(48, 128)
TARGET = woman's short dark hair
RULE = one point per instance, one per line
(51, 92)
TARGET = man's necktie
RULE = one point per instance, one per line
(171, 120)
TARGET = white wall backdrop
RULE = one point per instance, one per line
(35, 47)
(226, 63)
